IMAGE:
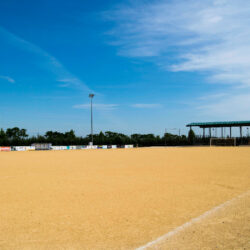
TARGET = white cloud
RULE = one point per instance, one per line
(213, 96)
(188, 35)
(68, 82)
(231, 107)
(146, 105)
(98, 106)
(101, 106)
(7, 78)
(48, 61)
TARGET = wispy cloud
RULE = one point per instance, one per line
(68, 82)
(47, 61)
(188, 35)
(231, 107)
(146, 105)
(213, 96)
(98, 106)
(7, 78)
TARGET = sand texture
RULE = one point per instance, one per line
(124, 198)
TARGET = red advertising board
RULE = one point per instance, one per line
(5, 148)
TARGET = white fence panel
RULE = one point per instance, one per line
(20, 148)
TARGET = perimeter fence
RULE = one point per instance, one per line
(50, 147)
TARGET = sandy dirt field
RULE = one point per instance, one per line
(227, 228)
(124, 198)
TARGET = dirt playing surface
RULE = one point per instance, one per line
(226, 228)
(122, 198)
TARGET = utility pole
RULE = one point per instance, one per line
(91, 111)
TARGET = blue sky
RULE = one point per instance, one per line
(151, 64)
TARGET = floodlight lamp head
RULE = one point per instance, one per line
(91, 95)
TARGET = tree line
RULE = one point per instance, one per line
(19, 137)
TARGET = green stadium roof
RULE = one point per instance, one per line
(219, 124)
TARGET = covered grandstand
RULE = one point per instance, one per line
(222, 125)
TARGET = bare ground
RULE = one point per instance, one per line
(122, 199)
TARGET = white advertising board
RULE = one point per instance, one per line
(20, 148)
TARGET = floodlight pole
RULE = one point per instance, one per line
(91, 111)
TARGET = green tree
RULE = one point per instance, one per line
(2, 134)
(12, 133)
(191, 136)
(101, 138)
(70, 135)
(22, 133)
(16, 133)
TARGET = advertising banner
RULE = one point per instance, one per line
(5, 149)
(20, 148)
(30, 148)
